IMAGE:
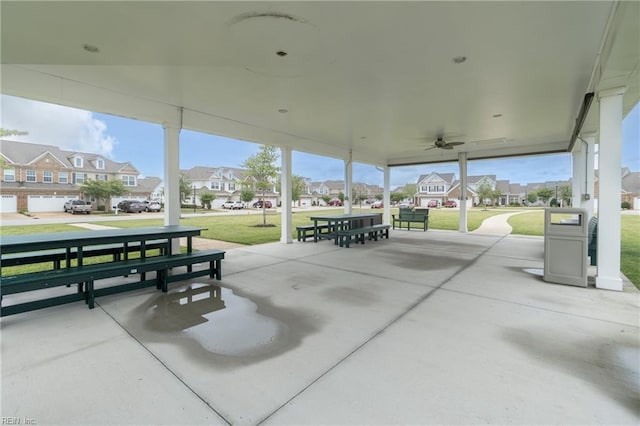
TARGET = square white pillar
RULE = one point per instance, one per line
(610, 185)
(285, 196)
(462, 205)
(172, 178)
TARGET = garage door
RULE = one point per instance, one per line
(9, 204)
(48, 203)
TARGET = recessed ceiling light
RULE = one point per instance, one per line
(459, 59)
(363, 137)
(497, 115)
(283, 111)
(281, 53)
(90, 48)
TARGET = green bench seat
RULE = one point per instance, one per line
(344, 237)
(306, 231)
(409, 216)
(90, 273)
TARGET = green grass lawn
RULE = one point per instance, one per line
(243, 228)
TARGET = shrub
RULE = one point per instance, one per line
(625, 205)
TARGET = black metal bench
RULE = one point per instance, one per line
(306, 231)
(373, 232)
(410, 216)
(90, 273)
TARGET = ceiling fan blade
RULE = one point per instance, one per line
(430, 147)
(454, 143)
(447, 146)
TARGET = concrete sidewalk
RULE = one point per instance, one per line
(498, 225)
(425, 328)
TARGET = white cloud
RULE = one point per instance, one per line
(49, 124)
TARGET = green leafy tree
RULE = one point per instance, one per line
(411, 189)
(262, 169)
(379, 197)
(247, 194)
(496, 196)
(485, 192)
(341, 197)
(185, 187)
(565, 193)
(545, 194)
(206, 197)
(11, 132)
(103, 190)
(398, 197)
(326, 199)
(532, 197)
(298, 187)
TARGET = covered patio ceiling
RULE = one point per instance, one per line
(381, 80)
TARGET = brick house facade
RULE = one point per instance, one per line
(38, 178)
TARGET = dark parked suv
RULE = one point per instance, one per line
(130, 206)
(258, 204)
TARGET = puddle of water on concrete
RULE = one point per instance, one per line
(217, 319)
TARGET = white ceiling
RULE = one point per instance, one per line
(374, 78)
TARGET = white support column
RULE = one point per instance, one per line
(285, 195)
(348, 184)
(172, 178)
(462, 163)
(610, 185)
(386, 195)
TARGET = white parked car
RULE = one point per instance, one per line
(233, 205)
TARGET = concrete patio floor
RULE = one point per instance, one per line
(423, 328)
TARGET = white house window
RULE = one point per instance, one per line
(215, 186)
(63, 177)
(78, 178)
(230, 175)
(47, 176)
(31, 175)
(129, 180)
(435, 188)
(231, 186)
(9, 175)
(101, 177)
(100, 164)
(77, 162)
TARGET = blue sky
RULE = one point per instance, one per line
(141, 143)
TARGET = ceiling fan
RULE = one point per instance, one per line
(442, 144)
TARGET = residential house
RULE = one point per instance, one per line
(41, 178)
(433, 188)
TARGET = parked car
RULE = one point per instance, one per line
(377, 205)
(335, 202)
(152, 206)
(233, 205)
(258, 204)
(130, 206)
(405, 205)
(78, 206)
(433, 203)
(450, 204)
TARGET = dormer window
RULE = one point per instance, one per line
(100, 164)
(77, 162)
(230, 175)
